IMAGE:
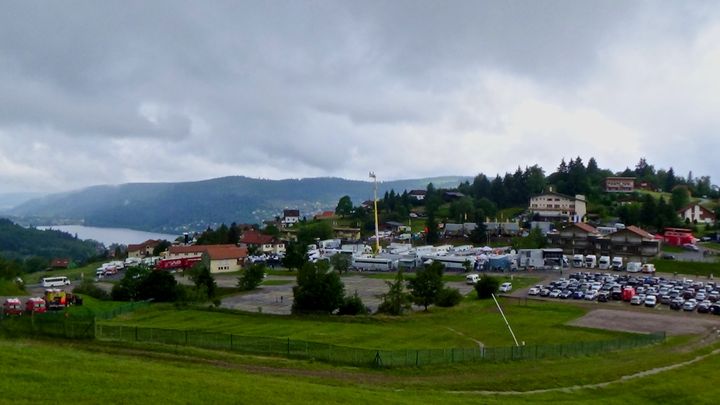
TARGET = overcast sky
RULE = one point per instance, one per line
(95, 92)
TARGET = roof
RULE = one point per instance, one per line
(60, 262)
(619, 178)
(256, 238)
(224, 252)
(639, 231)
(585, 227)
(554, 193)
(141, 246)
(185, 249)
(454, 194)
(417, 192)
(291, 213)
(325, 214)
(698, 204)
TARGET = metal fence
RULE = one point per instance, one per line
(75, 324)
(364, 357)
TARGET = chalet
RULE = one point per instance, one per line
(185, 251)
(368, 204)
(449, 196)
(225, 258)
(142, 249)
(454, 230)
(581, 238)
(696, 213)
(290, 218)
(620, 184)
(58, 263)
(575, 238)
(263, 243)
(417, 194)
(325, 215)
(552, 206)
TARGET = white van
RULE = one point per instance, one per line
(648, 268)
(472, 279)
(578, 261)
(617, 263)
(505, 287)
(634, 267)
(55, 281)
(590, 261)
(604, 262)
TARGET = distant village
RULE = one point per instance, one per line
(564, 236)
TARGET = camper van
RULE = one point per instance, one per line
(634, 267)
(604, 263)
(617, 263)
(590, 261)
(578, 261)
(472, 279)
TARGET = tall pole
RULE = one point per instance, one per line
(377, 231)
(506, 321)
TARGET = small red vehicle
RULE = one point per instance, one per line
(35, 305)
(12, 306)
(628, 293)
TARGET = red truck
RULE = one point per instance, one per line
(177, 264)
(35, 305)
(12, 306)
(628, 293)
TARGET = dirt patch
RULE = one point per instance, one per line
(631, 321)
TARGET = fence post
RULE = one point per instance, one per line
(378, 360)
(417, 358)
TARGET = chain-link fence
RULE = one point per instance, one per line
(364, 357)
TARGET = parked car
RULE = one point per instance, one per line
(566, 294)
(636, 300)
(677, 304)
(472, 279)
(554, 293)
(534, 291)
(689, 305)
(603, 296)
(505, 287)
(650, 301)
(691, 247)
(704, 307)
(668, 256)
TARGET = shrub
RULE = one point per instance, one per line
(353, 305)
(448, 297)
(251, 277)
(486, 287)
(89, 288)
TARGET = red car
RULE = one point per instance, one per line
(35, 305)
(12, 306)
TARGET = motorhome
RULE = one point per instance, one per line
(442, 250)
(634, 267)
(472, 278)
(453, 262)
(373, 263)
(617, 263)
(531, 258)
(578, 261)
(590, 261)
(604, 263)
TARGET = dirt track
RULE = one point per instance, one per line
(636, 321)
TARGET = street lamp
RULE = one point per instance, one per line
(377, 232)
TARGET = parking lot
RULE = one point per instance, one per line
(278, 299)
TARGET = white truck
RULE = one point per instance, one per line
(578, 261)
(617, 263)
(590, 261)
(604, 263)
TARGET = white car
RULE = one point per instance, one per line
(636, 300)
(650, 301)
(505, 287)
(534, 291)
(472, 278)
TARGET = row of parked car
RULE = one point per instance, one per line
(682, 294)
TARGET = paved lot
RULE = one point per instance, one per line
(277, 299)
(646, 322)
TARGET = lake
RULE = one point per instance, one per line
(108, 236)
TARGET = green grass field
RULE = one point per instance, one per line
(462, 326)
(8, 287)
(687, 268)
(87, 272)
(93, 373)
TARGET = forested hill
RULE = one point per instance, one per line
(17, 242)
(196, 205)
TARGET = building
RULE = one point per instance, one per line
(449, 196)
(225, 258)
(696, 213)
(59, 263)
(459, 230)
(346, 233)
(620, 184)
(142, 249)
(552, 206)
(325, 215)
(185, 251)
(417, 194)
(290, 218)
(581, 238)
(263, 243)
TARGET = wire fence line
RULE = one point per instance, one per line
(330, 353)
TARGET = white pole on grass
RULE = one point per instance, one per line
(506, 321)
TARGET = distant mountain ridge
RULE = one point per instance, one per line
(166, 207)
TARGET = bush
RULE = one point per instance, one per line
(251, 277)
(486, 287)
(353, 305)
(89, 288)
(448, 297)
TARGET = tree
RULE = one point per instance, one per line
(129, 286)
(432, 235)
(344, 206)
(479, 234)
(251, 277)
(340, 262)
(202, 278)
(448, 297)
(427, 284)
(397, 300)
(159, 286)
(534, 240)
(486, 287)
(295, 255)
(648, 211)
(318, 290)
(680, 197)
(161, 247)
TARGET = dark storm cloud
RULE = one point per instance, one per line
(289, 89)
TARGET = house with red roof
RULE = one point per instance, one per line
(262, 243)
(225, 258)
(697, 214)
(142, 249)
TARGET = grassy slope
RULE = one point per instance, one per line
(536, 322)
(688, 268)
(8, 287)
(88, 272)
(112, 375)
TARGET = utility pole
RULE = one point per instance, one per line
(505, 319)
(377, 231)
